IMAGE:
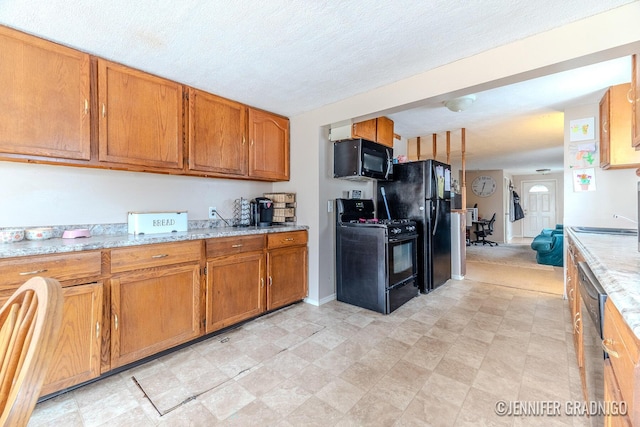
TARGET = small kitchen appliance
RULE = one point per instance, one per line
(263, 212)
(360, 159)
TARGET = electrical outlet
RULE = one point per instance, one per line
(213, 213)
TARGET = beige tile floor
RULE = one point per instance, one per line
(442, 359)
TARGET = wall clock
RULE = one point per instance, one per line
(483, 186)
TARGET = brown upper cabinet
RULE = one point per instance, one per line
(616, 151)
(379, 130)
(217, 135)
(63, 106)
(268, 146)
(140, 118)
(635, 97)
(45, 100)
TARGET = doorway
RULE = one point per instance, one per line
(539, 206)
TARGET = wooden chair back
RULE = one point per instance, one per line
(29, 329)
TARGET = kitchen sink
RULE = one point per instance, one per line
(603, 230)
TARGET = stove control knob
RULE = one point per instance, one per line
(411, 228)
(395, 230)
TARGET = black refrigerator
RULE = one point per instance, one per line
(422, 191)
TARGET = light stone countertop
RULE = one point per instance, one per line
(615, 261)
(108, 241)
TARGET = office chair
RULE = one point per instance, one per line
(29, 329)
(486, 230)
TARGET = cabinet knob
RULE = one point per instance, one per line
(97, 329)
(104, 110)
(86, 106)
(115, 321)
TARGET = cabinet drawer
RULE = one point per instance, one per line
(232, 245)
(68, 266)
(624, 357)
(147, 256)
(290, 238)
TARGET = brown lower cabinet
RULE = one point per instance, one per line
(235, 280)
(152, 311)
(287, 276)
(77, 356)
(124, 304)
(249, 275)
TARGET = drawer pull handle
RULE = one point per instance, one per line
(160, 256)
(571, 292)
(576, 322)
(115, 320)
(270, 281)
(605, 346)
(289, 239)
(97, 329)
(31, 273)
(262, 282)
(237, 245)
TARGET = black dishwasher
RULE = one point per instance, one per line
(593, 298)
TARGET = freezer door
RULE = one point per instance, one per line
(440, 250)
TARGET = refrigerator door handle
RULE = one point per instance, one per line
(435, 223)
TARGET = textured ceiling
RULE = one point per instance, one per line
(289, 56)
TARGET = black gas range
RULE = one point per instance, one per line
(376, 260)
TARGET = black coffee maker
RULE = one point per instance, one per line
(262, 211)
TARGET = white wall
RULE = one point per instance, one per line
(616, 190)
(59, 195)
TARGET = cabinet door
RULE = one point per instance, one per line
(45, 98)
(77, 355)
(635, 105)
(616, 150)
(384, 131)
(605, 130)
(153, 310)
(235, 289)
(140, 118)
(287, 276)
(365, 130)
(217, 140)
(269, 146)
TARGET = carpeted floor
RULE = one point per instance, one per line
(520, 255)
(513, 266)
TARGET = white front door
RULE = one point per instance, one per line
(539, 205)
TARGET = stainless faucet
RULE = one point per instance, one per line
(624, 217)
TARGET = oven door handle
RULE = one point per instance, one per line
(403, 239)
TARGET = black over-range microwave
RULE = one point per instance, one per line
(362, 159)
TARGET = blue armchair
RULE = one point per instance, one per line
(549, 246)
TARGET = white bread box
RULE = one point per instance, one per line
(157, 222)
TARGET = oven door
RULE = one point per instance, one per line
(403, 261)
